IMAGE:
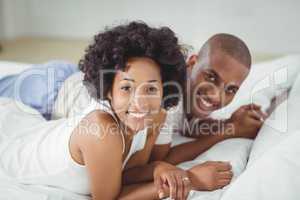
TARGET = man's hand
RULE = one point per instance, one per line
(247, 121)
(210, 175)
(171, 181)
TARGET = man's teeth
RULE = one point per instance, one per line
(137, 115)
(206, 103)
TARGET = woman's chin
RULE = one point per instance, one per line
(135, 127)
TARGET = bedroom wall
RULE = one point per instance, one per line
(269, 26)
(1, 21)
(14, 17)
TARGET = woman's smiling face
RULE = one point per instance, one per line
(136, 93)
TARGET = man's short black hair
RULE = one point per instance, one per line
(228, 44)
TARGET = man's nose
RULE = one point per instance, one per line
(214, 96)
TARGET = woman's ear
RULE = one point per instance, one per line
(109, 96)
(192, 60)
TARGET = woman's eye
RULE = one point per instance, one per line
(152, 90)
(126, 88)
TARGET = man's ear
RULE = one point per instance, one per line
(192, 60)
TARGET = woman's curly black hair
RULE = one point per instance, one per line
(112, 48)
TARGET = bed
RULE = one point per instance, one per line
(263, 169)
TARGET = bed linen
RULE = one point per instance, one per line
(235, 151)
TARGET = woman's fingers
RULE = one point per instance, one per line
(159, 184)
(180, 186)
(183, 185)
(172, 185)
(187, 187)
(176, 181)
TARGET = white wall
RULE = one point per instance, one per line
(14, 18)
(1, 21)
(269, 26)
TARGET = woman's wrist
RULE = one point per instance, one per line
(157, 166)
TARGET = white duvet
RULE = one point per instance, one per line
(273, 174)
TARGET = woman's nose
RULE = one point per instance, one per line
(140, 102)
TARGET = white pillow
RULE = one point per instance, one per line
(275, 175)
(279, 125)
(235, 151)
(274, 160)
(271, 133)
(265, 81)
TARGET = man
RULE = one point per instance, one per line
(213, 78)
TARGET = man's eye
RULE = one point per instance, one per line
(210, 77)
(231, 90)
(126, 88)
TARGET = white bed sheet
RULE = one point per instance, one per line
(12, 191)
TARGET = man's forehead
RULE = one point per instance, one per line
(226, 67)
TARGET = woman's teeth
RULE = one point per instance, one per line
(137, 115)
(206, 103)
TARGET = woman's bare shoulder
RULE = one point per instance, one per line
(98, 130)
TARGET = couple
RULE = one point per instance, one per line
(111, 124)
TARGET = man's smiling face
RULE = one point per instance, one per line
(214, 80)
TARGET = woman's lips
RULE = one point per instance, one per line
(137, 115)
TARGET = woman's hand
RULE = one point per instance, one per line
(171, 181)
(210, 175)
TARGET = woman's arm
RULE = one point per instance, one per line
(134, 175)
(144, 161)
(145, 191)
(104, 171)
(139, 174)
(160, 152)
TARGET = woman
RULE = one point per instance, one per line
(124, 71)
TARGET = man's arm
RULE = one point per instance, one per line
(244, 123)
(190, 150)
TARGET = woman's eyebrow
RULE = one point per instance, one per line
(151, 81)
(132, 80)
(129, 79)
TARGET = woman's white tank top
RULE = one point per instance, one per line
(34, 151)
